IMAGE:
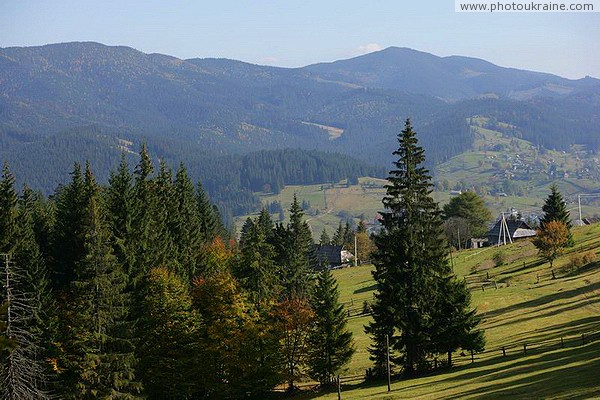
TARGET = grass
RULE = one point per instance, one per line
(521, 311)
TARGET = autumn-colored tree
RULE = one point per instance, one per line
(216, 256)
(294, 320)
(235, 363)
(551, 240)
(169, 349)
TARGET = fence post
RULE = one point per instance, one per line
(538, 278)
(472, 357)
(562, 343)
(503, 352)
(524, 348)
(339, 388)
(487, 275)
(435, 363)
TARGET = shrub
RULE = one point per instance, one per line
(499, 258)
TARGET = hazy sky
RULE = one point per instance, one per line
(296, 33)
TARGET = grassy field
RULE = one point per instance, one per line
(520, 304)
(330, 205)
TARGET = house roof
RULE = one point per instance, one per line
(328, 254)
(517, 230)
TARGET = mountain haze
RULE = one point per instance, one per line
(86, 99)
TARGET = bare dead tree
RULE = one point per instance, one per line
(22, 373)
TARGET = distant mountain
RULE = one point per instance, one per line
(450, 78)
(75, 100)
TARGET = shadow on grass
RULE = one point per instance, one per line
(366, 289)
(567, 371)
(548, 311)
(542, 300)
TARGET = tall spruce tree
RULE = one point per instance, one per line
(410, 263)
(186, 223)
(324, 239)
(295, 254)
(67, 241)
(101, 352)
(555, 209)
(210, 220)
(256, 269)
(120, 206)
(330, 342)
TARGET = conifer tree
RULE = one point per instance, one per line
(330, 342)
(100, 351)
(265, 223)
(24, 286)
(555, 209)
(67, 240)
(143, 229)
(256, 268)
(210, 223)
(295, 252)
(165, 221)
(324, 239)
(410, 263)
(338, 237)
(186, 223)
(120, 206)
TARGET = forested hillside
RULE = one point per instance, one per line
(75, 99)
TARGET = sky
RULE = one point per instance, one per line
(293, 33)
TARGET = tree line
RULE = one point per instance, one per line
(136, 290)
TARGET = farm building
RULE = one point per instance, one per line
(514, 230)
(332, 256)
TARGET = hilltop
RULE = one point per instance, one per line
(86, 100)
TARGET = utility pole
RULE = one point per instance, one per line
(355, 251)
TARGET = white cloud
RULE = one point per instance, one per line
(366, 48)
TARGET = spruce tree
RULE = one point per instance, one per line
(338, 237)
(186, 223)
(324, 239)
(295, 254)
(120, 206)
(330, 342)
(67, 240)
(256, 269)
(555, 209)
(210, 223)
(100, 349)
(410, 263)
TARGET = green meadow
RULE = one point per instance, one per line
(520, 304)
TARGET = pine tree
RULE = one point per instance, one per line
(100, 350)
(410, 263)
(164, 215)
(330, 342)
(186, 225)
(143, 226)
(338, 237)
(324, 239)
(67, 240)
(256, 268)
(555, 209)
(295, 254)
(120, 205)
(210, 223)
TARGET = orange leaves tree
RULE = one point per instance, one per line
(551, 240)
(294, 318)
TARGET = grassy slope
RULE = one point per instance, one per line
(523, 312)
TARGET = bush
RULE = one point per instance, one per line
(578, 260)
(499, 258)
